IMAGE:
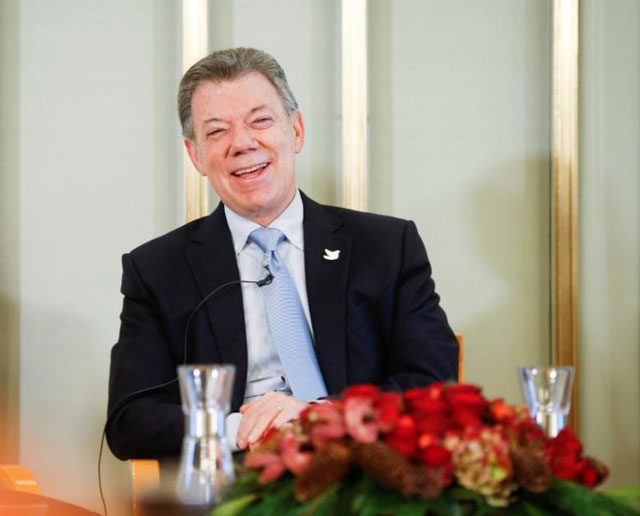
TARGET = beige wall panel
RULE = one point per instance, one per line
(610, 235)
(99, 174)
(460, 143)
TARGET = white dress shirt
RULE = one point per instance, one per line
(264, 369)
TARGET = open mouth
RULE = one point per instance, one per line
(251, 172)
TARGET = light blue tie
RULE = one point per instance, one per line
(287, 322)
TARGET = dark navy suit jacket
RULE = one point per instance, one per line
(375, 315)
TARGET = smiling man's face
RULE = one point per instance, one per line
(245, 143)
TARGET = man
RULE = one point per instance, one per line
(361, 303)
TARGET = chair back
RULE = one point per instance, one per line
(18, 478)
(460, 358)
(145, 476)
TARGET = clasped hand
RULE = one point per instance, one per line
(272, 409)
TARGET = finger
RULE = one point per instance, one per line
(258, 402)
(252, 412)
(246, 406)
(244, 428)
(262, 424)
(281, 418)
(241, 438)
(255, 421)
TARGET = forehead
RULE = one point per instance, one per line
(235, 97)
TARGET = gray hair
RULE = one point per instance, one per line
(226, 65)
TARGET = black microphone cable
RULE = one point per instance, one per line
(121, 403)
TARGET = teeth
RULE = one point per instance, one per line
(249, 170)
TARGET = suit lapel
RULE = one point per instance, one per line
(213, 262)
(326, 290)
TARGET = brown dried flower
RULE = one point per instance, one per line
(387, 467)
(430, 482)
(328, 466)
(531, 468)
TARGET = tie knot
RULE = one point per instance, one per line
(267, 238)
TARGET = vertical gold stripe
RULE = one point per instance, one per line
(354, 104)
(565, 185)
(194, 47)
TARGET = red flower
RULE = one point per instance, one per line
(500, 411)
(567, 442)
(425, 400)
(387, 407)
(403, 437)
(525, 431)
(564, 452)
(589, 475)
(464, 418)
(426, 440)
(435, 456)
(438, 423)
(361, 391)
(566, 466)
(465, 397)
(428, 406)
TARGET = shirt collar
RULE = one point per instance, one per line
(289, 222)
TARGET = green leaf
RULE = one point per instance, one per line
(234, 506)
(278, 501)
(629, 496)
(525, 508)
(573, 499)
(463, 494)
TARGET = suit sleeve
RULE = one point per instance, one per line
(423, 348)
(151, 424)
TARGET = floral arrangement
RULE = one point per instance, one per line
(441, 449)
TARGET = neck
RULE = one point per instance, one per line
(264, 219)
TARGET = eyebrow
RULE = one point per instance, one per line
(257, 108)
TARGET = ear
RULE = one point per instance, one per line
(192, 151)
(298, 131)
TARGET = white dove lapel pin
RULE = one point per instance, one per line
(331, 255)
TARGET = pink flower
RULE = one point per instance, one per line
(326, 423)
(360, 419)
(293, 454)
(270, 463)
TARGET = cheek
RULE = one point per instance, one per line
(214, 166)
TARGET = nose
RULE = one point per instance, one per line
(242, 140)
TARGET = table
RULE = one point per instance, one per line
(18, 503)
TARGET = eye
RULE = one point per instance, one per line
(263, 122)
(214, 133)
